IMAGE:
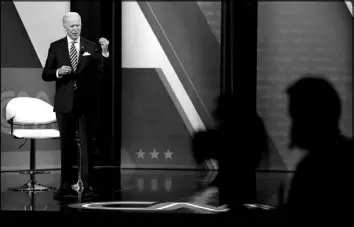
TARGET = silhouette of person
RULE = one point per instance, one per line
(321, 189)
(237, 177)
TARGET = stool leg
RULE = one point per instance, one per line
(79, 186)
(32, 185)
(33, 162)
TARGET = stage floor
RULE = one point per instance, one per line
(136, 191)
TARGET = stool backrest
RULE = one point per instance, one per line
(29, 111)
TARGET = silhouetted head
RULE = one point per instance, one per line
(315, 109)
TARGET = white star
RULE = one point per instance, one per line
(168, 154)
(154, 154)
(140, 154)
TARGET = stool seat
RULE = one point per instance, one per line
(29, 111)
(36, 133)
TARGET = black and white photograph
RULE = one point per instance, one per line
(202, 113)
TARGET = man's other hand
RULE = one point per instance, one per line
(64, 70)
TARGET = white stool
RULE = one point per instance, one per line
(26, 111)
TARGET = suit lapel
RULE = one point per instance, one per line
(82, 49)
(81, 52)
(66, 50)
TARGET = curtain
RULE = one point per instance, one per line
(102, 19)
(226, 48)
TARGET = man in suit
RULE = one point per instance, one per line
(75, 64)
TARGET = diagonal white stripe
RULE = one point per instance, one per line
(350, 6)
(179, 60)
(43, 32)
(141, 49)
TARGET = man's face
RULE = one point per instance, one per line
(72, 25)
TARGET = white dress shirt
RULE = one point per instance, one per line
(77, 44)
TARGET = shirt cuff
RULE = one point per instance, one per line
(57, 74)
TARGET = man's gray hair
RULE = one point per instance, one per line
(70, 14)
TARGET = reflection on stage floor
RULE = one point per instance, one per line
(135, 191)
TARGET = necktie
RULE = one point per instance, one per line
(73, 55)
(73, 58)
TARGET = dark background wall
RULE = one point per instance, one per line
(295, 38)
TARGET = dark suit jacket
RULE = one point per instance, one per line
(322, 187)
(89, 69)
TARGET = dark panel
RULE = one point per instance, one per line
(90, 12)
(212, 14)
(116, 84)
(296, 38)
(97, 21)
